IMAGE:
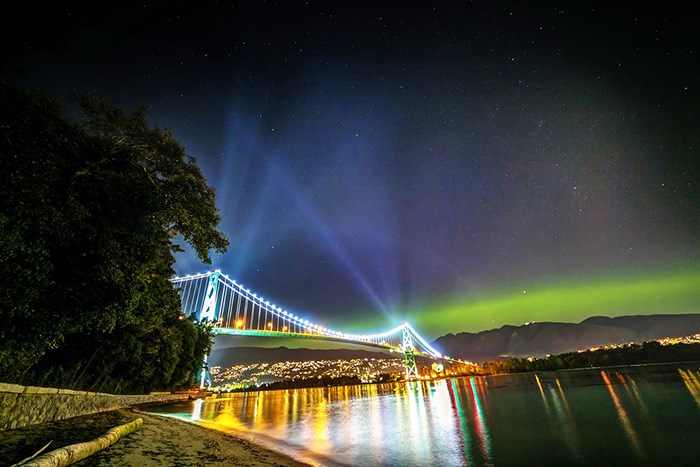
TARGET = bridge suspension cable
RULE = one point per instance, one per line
(233, 309)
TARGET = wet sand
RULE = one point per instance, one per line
(161, 441)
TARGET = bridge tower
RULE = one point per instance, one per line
(208, 313)
(409, 358)
(208, 310)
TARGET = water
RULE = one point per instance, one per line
(618, 416)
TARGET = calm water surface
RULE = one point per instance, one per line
(616, 416)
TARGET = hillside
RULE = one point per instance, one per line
(247, 355)
(539, 339)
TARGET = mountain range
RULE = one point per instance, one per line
(532, 339)
(539, 339)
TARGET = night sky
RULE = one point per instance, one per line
(461, 165)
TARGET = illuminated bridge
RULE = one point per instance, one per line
(232, 309)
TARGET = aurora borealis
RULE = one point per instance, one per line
(462, 166)
(571, 303)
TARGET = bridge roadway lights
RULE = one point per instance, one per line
(210, 308)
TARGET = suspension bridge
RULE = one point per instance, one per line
(232, 309)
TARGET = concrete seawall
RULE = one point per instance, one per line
(29, 405)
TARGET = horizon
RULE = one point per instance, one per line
(223, 342)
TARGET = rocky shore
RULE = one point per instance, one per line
(161, 441)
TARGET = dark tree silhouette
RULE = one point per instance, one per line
(89, 211)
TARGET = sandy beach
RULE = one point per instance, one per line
(162, 441)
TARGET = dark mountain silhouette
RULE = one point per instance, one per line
(539, 339)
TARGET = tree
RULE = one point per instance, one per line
(89, 211)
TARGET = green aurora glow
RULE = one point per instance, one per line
(675, 293)
(605, 295)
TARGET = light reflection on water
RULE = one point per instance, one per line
(645, 415)
(625, 419)
(691, 379)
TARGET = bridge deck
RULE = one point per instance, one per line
(299, 335)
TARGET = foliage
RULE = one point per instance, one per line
(632, 354)
(89, 211)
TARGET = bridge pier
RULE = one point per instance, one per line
(409, 359)
(203, 379)
(208, 314)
